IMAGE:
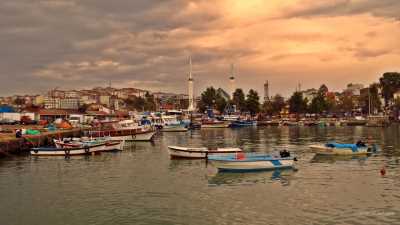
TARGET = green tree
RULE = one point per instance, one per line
(346, 103)
(297, 104)
(274, 106)
(253, 102)
(208, 99)
(239, 99)
(220, 103)
(390, 83)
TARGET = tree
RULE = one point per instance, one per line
(390, 83)
(323, 90)
(346, 103)
(319, 103)
(274, 106)
(220, 103)
(253, 102)
(207, 99)
(150, 103)
(239, 99)
(297, 104)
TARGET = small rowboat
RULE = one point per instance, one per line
(199, 153)
(342, 149)
(72, 149)
(250, 162)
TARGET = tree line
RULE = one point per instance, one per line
(212, 98)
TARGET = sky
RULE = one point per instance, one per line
(76, 44)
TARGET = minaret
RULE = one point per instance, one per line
(232, 82)
(266, 91)
(190, 86)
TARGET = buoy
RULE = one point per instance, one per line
(383, 171)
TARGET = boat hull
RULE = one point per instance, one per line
(147, 136)
(323, 150)
(68, 150)
(215, 125)
(198, 153)
(249, 166)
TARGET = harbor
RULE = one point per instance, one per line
(126, 187)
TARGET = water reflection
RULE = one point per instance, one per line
(263, 177)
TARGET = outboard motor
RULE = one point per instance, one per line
(284, 154)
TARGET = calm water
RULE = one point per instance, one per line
(143, 186)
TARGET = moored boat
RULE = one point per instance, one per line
(241, 162)
(343, 149)
(77, 149)
(211, 123)
(243, 123)
(199, 153)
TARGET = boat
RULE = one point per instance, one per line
(242, 162)
(126, 130)
(171, 123)
(377, 121)
(333, 148)
(199, 153)
(75, 149)
(104, 144)
(212, 123)
(243, 123)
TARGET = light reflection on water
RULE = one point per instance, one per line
(143, 186)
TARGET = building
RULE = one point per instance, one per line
(105, 100)
(51, 102)
(69, 103)
(310, 94)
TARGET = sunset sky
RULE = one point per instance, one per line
(146, 44)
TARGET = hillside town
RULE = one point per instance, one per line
(378, 99)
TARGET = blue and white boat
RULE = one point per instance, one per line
(333, 148)
(241, 162)
(243, 123)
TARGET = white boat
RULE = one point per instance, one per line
(138, 136)
(72, 149)
(199, 153)
(250, 162)
(327, 149)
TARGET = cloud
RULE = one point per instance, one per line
(146, 43)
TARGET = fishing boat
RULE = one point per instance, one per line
(242, 162)
(199, 153)
(109, 144)
(126, 130)
(333, 148)
(243, 123)
(77, 149)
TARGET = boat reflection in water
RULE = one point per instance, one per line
(273, 176)
(335, 158)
